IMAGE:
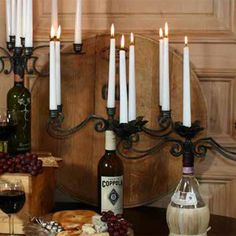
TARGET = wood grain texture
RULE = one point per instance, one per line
(83, 78)
(205, 20)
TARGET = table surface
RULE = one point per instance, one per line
(150, 221)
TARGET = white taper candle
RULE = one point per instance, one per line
(166, 82)
(24, 17)
(8, 19)
(18, 23)
(132, 86)
(161, 52)
(123, 85)
(112, 71)
(58, 66)
(13, 17)
(186, 87)
(52, 83)
(29, 24)
(78, 22)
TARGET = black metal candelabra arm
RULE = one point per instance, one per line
(165, 126)
(183, 146)
(55, 129)
(123, 131)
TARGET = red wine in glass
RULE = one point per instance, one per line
(12, 201)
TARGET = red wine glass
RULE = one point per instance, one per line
(12, 199)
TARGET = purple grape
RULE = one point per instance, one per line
(116, 226)
(116, 233)
(2, 154)
(103, 218)
(11, 170)
(119, 216)
(9, 162)
(17, 160)
(5, 167)
(28, 154)
(33, 172)
(34, 156)
(33, 163)
(39, 163)
(111, 230)
(27, 160)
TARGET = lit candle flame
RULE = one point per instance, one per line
(112, 30)
(59, 32)
(161, 33)
(52, 34)
(122, 43)
(132, 38)
(166, 29)
(186, 40)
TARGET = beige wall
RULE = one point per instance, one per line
(210, 25)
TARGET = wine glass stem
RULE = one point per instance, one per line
(11, 224)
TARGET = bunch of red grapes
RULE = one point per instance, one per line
(117, 225)
(21, 163)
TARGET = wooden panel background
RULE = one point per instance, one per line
(210, 25)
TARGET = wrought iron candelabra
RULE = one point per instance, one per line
(128, 133)
(168, 132)
(19, 58)
(184, 141)
(22, 59)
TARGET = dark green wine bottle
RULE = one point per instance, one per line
(19, 105)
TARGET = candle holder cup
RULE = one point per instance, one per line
(78, 47)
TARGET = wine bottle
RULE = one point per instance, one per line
(110, 177)
(19, 105)
(187, 213)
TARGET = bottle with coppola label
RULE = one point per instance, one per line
(19, 104)
(110, 177)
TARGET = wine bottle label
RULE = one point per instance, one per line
(110, 140)
(184, 198)
(112, 194)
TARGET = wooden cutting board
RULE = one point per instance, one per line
(83, 77)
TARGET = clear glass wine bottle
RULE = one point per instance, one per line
(187, 213)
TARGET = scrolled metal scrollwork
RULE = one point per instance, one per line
(208, 143)
(101, 125)
(177, 149)
(54, 126)
(7, 56)
(29, 57)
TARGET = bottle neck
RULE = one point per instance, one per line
(110, 141)
(188, 171)
(18, 81)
